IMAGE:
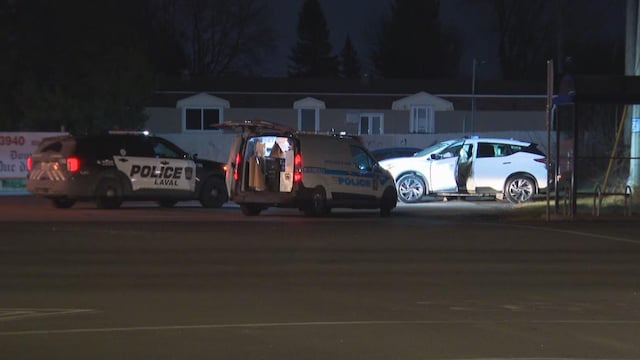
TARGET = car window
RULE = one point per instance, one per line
(53, 147)
(433, 148)
(485, 150)
(501, 150)
(361, 159)
(137, 146)
(451, 151)
(166, 149)
(104, 148)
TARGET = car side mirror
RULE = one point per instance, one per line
(436, 157)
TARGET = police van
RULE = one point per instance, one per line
(120, 165)
(271, 165)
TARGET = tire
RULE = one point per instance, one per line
(318, 204)
(213, 193)
(519, 189)
(62, 203)
(388, 202)
(109, 194)
(250, 209)
(411, 188)
(167, 203)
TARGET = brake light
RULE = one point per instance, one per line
(235, 168)
(73, 164)
(29, 163)
(541, 160)
(297, 168)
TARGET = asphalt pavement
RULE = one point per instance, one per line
(439, 280)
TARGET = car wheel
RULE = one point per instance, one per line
(167, 203)
(213, 193)
(519, 189)
(411, 188)
(318, 205)
(251, 209)
(388, 202)
(62, 203)
(109, 194)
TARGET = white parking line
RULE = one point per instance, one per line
(27, 313)
(313, 323)
(573, 232)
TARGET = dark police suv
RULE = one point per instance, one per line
(118, 166)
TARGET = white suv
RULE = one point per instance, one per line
(475, 166)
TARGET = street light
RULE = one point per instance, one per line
(473, 92)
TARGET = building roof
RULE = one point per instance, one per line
(353, 94)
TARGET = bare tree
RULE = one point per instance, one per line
(532, 32)
(525, 30)
(227, 37)
(166, 40)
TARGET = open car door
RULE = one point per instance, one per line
(444, 169)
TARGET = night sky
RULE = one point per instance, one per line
(360, 19)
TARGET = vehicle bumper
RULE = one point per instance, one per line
(73, 188)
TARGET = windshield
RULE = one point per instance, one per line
(434, 148)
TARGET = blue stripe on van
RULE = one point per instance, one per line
(318, 170)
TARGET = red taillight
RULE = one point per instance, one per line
(297, 168)
(541, 160)
(73, 164)
(237, 165)
(29, 163)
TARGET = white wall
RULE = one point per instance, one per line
(215, 146)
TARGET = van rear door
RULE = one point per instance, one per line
(237, 156)
(234, 163)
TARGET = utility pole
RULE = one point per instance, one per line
(632, 68)
(473, 95)
(474, 69)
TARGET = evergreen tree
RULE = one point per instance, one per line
(7, 62)
(350, 68)
(311, 55)
(412, 43)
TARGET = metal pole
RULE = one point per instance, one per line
(632, 58)
(549, 104)
(473, 95)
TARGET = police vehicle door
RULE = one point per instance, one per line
(364, 179)
(157, 165)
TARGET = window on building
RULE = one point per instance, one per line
(309, 120)
(201, 118)
(422, 120)
(371, 124)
